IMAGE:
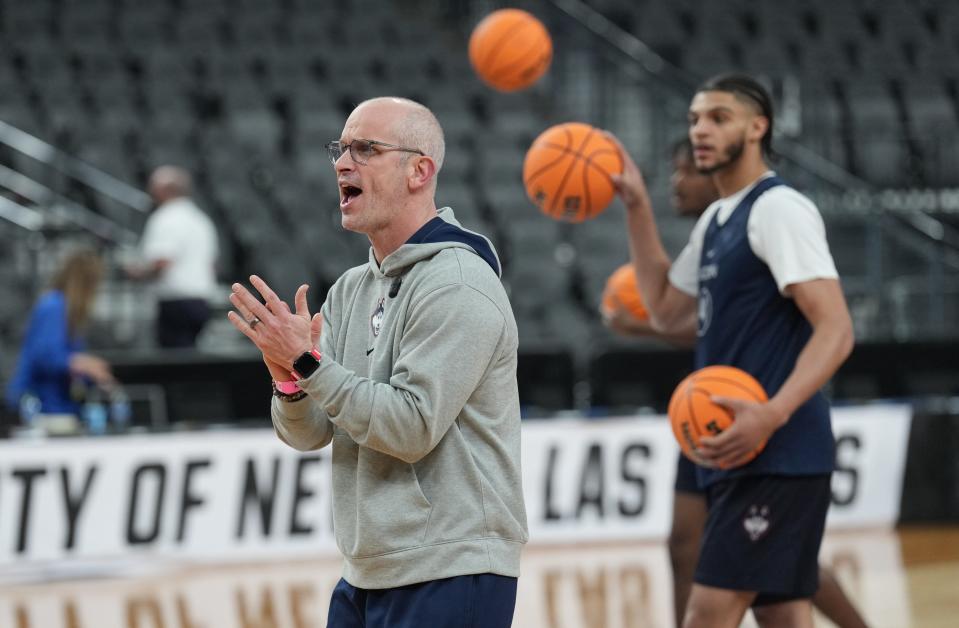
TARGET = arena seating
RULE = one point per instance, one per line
(245, 93)
(877, 79)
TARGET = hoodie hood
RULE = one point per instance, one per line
(442, 232)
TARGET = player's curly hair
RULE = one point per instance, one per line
(748, 90)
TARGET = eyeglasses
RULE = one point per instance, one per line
(362, 150)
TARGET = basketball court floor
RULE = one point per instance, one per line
(900, 579)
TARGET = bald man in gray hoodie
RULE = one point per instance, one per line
(409, 371)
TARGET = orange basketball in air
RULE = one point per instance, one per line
(622, 287)
(693, 415)
(567, 171)
(510, 49)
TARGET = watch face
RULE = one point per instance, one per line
(306, 364)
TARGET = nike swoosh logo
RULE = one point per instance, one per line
(370, 350)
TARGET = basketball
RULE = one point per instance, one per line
(567, 171)
(622, 287)
(693, 415)
(510, 49)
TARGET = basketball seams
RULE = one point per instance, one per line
(591, 164)
(497, 45)
(550, 144)
(544, 168)
(692, 413)
(709, 394)
(584, 151)
(519, 67)
(733, 383)
(694, 393)
(510, 49)
(564, 153)
(562, 182)
(578, 154)
(588, 163)
(588, 201)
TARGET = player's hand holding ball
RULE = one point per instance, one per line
(720, 417)
(754, 423)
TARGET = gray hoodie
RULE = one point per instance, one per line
(417, 392)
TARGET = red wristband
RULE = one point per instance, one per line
(287, 388)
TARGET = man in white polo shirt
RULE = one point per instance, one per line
(179, 247)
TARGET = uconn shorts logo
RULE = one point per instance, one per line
(756, 522)
(705, 313)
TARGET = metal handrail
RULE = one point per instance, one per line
(17, 214)
(69, 165)
(65, 209)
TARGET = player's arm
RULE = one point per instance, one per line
(670, 309)
(623, 323)
(791, 238)
(822, 303)
(685, 335)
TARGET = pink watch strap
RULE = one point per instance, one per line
(287, 388)
(316, 354)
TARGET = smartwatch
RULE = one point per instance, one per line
(306, 364)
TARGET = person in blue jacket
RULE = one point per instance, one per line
(53, 363)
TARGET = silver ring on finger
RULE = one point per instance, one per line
(254, 322)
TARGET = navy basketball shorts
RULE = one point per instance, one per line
(476, 601)
(686, 476)
(763, 534)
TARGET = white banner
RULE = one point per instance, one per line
(201, 495)
(871, 443)
(613, 479)
(591, 480)
(236, 495)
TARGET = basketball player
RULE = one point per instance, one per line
(692, 192)
(410, 372)
(758, 285)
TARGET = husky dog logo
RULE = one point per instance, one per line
(376, 320)
(756, 523)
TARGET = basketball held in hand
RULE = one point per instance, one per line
(510, 49)
(693, 415)
(622, 289)
(567, 171)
